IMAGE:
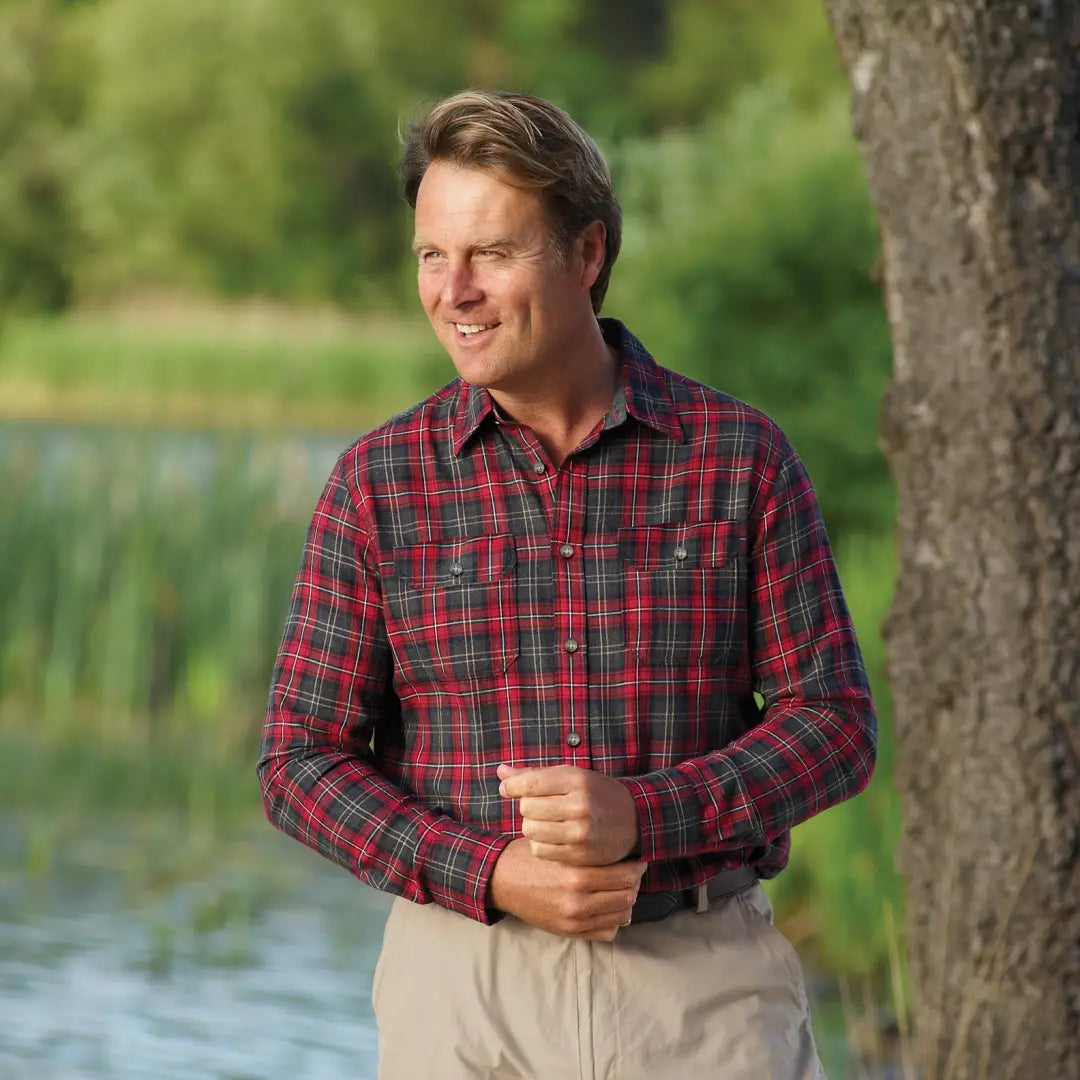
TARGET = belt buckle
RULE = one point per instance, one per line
(702, 898)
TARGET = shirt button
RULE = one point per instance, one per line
(456, 569)
(680, 553)
(573, 739)
(539, 468)
(571, 646)
(567, 551)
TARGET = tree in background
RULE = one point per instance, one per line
(41, 104)
(969, 120)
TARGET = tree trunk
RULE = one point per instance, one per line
(968, 115)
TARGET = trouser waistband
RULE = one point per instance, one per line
(652, 907)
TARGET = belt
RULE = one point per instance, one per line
(652, 907)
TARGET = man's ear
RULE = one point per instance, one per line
(593, 240)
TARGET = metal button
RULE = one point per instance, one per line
(573, 739)
(680, 553)
(567, 551)
(539, 468)
(571, 646)
(457, 569)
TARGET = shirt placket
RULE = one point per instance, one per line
(568, 554)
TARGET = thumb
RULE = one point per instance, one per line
(504, 772)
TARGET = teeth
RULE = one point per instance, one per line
(473, 328)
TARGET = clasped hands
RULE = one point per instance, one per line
(569, 872)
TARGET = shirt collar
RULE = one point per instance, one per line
(642, 393)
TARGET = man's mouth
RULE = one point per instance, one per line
(468, 329)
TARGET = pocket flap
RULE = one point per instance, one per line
(682, 546)
(456, 562)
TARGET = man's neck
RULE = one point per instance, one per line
(563, 414)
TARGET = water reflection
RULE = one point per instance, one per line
(91, 993)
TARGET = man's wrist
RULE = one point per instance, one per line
(635, 846)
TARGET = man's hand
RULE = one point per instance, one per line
(574, 816)
(589, 902)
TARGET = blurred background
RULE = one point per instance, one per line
(206, 293)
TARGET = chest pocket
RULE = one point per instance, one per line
(685, 592)
(450, 609)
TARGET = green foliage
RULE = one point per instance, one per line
(716, 48)
(41, 104)
(249, 147)
(748, 258)
(236, 147)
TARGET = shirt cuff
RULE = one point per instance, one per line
(458, 860)
(695, 808)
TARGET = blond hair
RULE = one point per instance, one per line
(535, 143)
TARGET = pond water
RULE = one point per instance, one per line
(90, 990)
(297, 462)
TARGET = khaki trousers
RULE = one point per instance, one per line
(717, 994)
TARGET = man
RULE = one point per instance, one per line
(517, 683)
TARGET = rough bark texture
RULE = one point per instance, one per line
(968, 115)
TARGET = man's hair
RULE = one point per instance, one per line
(534, 143)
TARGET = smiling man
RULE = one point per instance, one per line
(567, 659)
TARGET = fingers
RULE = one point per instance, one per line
(616, 903)
(555, 830)
(606, 913)
(522, 783)
(593, 816)
(564, 899)
(604, 925)
(570, 854)
(551, 807)
(614, 877)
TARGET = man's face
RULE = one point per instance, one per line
(503, 302)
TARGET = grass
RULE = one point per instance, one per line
(164, 362)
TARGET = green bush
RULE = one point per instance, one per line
(42, 102)
(236, 148)
(748, 259)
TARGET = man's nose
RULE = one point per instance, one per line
(460, 286)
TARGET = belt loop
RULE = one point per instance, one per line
(703, 898)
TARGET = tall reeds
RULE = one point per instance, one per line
(144, 587)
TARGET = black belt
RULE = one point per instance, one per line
(652, 907)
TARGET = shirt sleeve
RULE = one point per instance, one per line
(815, 742)
(332, 691)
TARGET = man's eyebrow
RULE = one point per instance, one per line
(419, 245)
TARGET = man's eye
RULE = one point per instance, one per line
(489, 252)
(428, 256)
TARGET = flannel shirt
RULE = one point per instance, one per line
(461, 603)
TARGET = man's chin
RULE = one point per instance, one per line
(474, 371)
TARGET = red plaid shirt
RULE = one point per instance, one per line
(462, 603)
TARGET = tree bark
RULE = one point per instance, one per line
(968, 116)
